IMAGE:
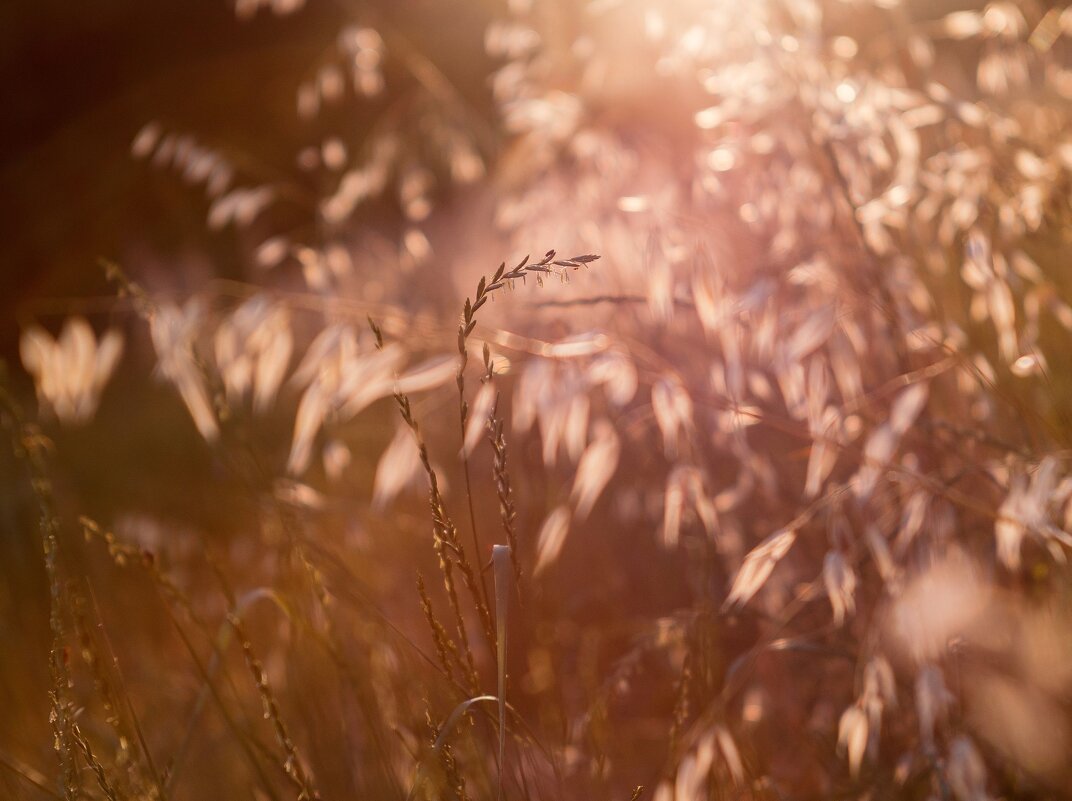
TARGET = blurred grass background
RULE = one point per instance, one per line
(78, 81)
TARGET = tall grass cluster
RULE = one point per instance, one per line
(764, 493)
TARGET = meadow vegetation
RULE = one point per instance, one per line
(751, 481)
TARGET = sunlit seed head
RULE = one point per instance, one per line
(1026, 365)
(709, 117)
(721, 159)
(845, 47)
(634, 203)
(333, 151)
(845, 92)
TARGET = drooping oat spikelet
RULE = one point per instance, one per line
(70, 372)
(757, 567)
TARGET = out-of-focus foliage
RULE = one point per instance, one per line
(783, 474)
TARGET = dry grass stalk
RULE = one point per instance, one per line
(501, 473)
(30, 446)
(448, 547)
